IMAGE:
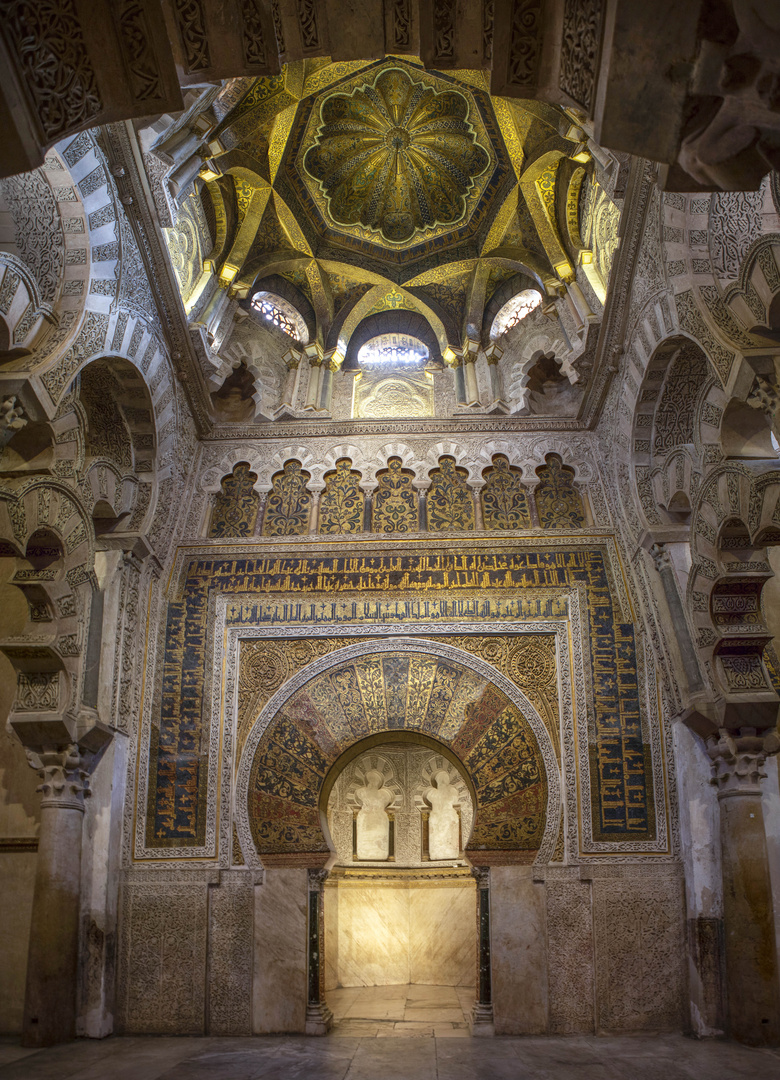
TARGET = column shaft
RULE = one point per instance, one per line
(751, 952)
(52, 962)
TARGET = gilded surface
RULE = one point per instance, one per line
(396, 156)
(380, 395)
(235, 507)
(289, 503)
(333, 590)
(398, 691)
(395, 506)
(341, 503)
(504, 499)
(449, 501)
(558, 503)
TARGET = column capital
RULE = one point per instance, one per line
(660, 556)
(292, 359)
(64, 774)
(738, 760)
(481, 875)
(317, 878)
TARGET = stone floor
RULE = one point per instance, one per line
(667, 1057)
(395, 1011)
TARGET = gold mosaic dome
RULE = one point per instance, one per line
(396, 156)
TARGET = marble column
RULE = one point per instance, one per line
(470, 371)
(315, 374)
(319, 1018)
(314, 512)
(752, 988)
(482, 1012)
(580, 303)
(479, 524)
(292, 361)
(52, 964)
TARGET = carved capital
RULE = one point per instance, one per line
(64, 774)
(481, 875)
(660, 557)
(317, 878)
(738, 760)
(765, 395)
(12, 419)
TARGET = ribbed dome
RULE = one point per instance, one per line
(396, 156)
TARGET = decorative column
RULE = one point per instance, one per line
(493, 354)
(319, 1018)
(292, 359)
(663, 565)
(52, 963)
(314, 354)
(482, 1013)
(579, 322)
(331, 362)
(479, 524)
(314, 512)
(580, 303)
(470, 351)
(752, 987)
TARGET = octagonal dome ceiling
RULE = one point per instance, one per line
(398, 157)
(364, 189)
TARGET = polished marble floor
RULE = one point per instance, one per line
(667, 1057)
(369, 1012)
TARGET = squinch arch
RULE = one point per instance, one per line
(388, 687)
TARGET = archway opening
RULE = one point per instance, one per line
(400, 943)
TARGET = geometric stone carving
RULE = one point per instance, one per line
(231, 929)
(162, 986)
(570, 974)
(639, 921)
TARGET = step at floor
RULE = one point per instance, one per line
(413, 1010)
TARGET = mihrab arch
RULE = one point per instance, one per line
(387, 687)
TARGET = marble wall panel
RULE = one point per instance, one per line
(372, 939)
(639, 924)
(231, 928)
(162, 988)
(279, 980)
(443, 935)
(570, 972)
(518, 951)
(401, 932)
(17, 873)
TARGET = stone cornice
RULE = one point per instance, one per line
(616, 311)
(301, 429)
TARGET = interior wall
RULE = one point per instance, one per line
(390, 932)
(17, 873)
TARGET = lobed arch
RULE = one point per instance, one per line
(676, 414)
(363, 310)
(286, 710)
(734, 520)
(411, 323)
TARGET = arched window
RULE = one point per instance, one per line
(393, 351)
(514, 311)
(281, 313)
